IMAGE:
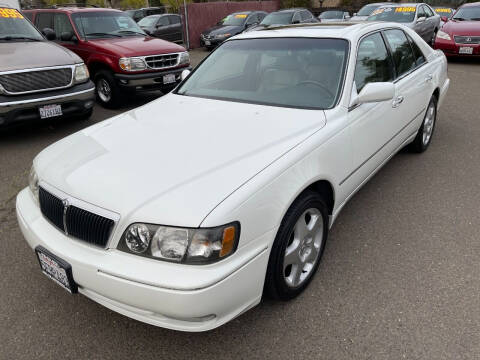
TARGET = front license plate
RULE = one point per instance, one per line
(465, 50)
(207, 42)
(56, 269)
(168, 79)
(49, 111)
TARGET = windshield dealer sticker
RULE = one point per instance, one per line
(241, 16)
(378, 11)
(443, 10)
(10, 13)
(405, 9)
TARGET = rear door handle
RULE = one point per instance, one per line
(397, 101)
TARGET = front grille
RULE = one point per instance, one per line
(467, 39)
(81, 224)
(162, 61)
(32, 81)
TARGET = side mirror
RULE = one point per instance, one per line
(421, 19)
(184, 74)
(68, 36)
(49, 34)
(375, 92)
(444, 18)
(147, 31)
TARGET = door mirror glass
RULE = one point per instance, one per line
(376, 92)
(184, 74)
(421, 19)
(444, 18)
(67, 36)
(49, 34)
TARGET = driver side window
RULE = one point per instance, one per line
(373, 62)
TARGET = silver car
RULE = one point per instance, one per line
(420, 17)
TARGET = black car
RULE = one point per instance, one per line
(285, 17)
(166, 26)
(139, 14)
(233, 24)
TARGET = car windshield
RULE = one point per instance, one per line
(468, 13)
(444, 12)
(331, 15)
(288, 72)
(401, 14)
(277, 19)
(14, 27)
(367, 10)
(148, 21)
(235, 19)
(105, 24)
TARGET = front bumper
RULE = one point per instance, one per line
(150, 80)
(450, 48)
(211, 42)
(123, 282)
(77, 100)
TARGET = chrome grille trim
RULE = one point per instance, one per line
(162, 61)
(467, 39)
(27, 72)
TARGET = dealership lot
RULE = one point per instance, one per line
(399, 278)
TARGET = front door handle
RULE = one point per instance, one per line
(428, 78)
(397, 101)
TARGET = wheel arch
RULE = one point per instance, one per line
(325, 189)
(95, 66)
(436, 93)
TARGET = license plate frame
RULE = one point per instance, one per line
(208, 43)
(50, 110)
(56, 269)
(169, 79)
(466, 50)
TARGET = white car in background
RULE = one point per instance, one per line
(184, 212)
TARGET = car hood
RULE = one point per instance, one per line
(175, 159)
(25, 55)
(222, 29)
(465, 28)
(137, 46)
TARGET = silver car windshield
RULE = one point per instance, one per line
(290, 72)
(14, 27)
(400, 14)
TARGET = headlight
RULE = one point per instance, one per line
(443, 35)
(33, 183)
(184, 58)
(132, 64)
(81, 73)
(222, 36)
(181, 245)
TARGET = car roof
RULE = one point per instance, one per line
(75, 9)
(403, 5)
(340, 30)
(471, 4)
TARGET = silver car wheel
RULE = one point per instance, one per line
(428, 124)
(104, 90)
(303, 249)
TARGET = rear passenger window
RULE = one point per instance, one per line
(163, 21)
(401, 51)
(373, 62)
(305, 15)
(417, 53)
(174, 19)
(44, 20)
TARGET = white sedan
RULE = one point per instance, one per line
(184, 212)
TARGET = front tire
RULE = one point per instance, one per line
(107, 91)
(425, 133)
(298, 247)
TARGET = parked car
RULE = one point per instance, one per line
(39, 79)
(229, 195)
(139, 14)
(460, 36)
(121, 57)
(420, 17)
(445, 14)
(167, 27)
(367, 10)
(231, 25)
(334, 15)
(285, 17)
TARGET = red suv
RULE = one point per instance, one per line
(120, 56)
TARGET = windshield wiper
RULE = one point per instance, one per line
(459, 19)
(475, 19)
(131, 32)
(8, 38)
(102, 34)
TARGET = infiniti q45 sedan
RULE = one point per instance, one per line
(186, 220)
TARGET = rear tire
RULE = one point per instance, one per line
(106, 89)
(425, 133)
(298, 247)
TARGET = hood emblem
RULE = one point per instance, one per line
(469, 39)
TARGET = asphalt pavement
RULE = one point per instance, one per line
(399, 279)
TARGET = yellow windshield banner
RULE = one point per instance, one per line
(10, 13)
(241, 16)
(443, 10)
(405, 9)
(376, 12)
